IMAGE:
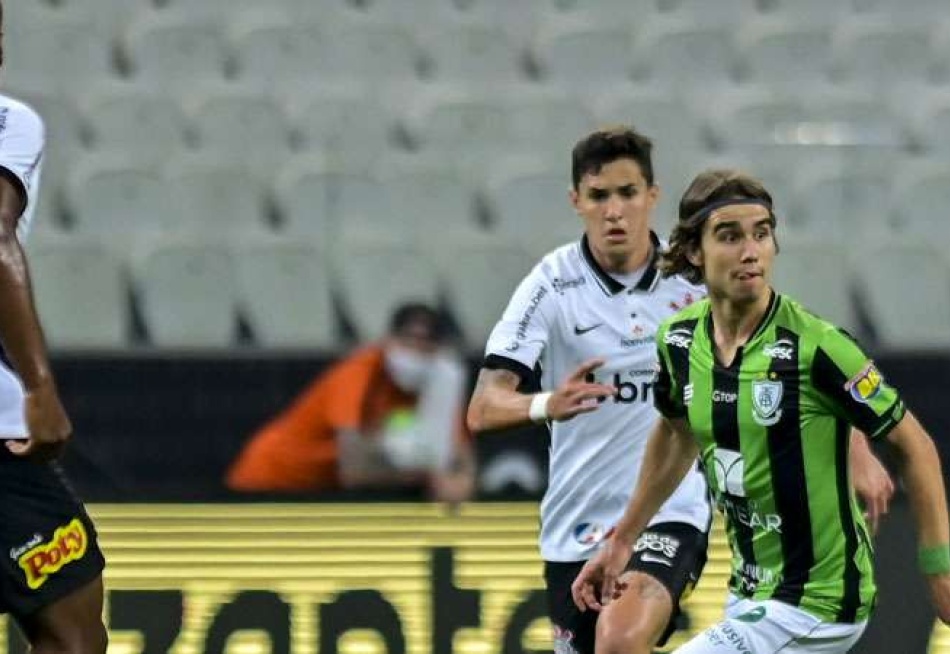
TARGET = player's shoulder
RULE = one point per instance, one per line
(561, 267)
(687, 317)
(16, 114)
(798, 318)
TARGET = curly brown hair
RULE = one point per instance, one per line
(708, 188)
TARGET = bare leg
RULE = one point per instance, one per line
(633, 623)
(71, 625)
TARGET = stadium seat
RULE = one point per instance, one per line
(754, 118)
(60, 56)
(841, 201)
(174, 50)
(278, 53)
(675, 53)
(580, 55)
(374, 276)
(81, 291)
(186, 294)
(133, 119)
(303, 192)
(116, 199)
(215, 198)
(243, 124)
(205, 10)
(858, 119)
(806, 12)
(724, 12)
(920, 200)
(813, 270)
(667, 118)
(929, 119)
(427, 204)
(377, 55)
(776, 52)
(917, 319)
(108, 16)
(349, 128)
(525, 202)
(545, 124)
(877, 53)
(472, 54)
(479, 277)
(284, 291)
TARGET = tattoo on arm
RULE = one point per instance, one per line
(497, 377)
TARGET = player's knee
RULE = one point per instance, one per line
(614, 637)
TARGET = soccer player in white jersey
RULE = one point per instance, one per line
(51, 581)
(587, 315)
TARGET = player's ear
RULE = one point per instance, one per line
(574, 197)
(695, 257)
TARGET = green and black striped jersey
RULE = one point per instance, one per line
(773, 432)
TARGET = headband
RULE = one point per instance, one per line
(705, 211)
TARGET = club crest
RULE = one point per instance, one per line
(766, 400)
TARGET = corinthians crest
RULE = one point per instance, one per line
(766, 399)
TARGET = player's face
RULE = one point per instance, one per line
(737, 252)
(616, 204)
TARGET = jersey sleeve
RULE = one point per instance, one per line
(22, 138)
(667, 397)
(855, 388)
(518, 340)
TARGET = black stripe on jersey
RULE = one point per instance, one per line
(830, 380)
(679, 356)
(852, 576)
(787, 463)
(725, 431)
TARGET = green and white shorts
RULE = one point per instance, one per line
(770, 627)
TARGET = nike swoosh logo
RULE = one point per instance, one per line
(650, 558)
(583, 330)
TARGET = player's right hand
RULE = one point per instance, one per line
(940, 595)
(598, 581)
(576, 395)
(47, 424)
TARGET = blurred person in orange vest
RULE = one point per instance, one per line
(388, 416)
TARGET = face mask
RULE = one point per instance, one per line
(407, 368)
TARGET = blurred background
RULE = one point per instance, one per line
(238, 192)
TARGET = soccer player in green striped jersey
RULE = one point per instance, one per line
(765, 393)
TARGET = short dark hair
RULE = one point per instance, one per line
(414, 314)
(707, 188)
(608, 144)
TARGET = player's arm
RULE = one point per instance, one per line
(21, 335)
(870, 478)
(670, 453)
(923, 480)
(496, 402)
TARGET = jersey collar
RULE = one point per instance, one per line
(610, 285)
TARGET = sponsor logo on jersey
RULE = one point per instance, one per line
(766, 401)
(687, 300)
(561, 285)
(659, 547)
(783, 349)
(723, 397)
(681, 337)
(580, 331)
(746, 512)
(640, 338)
(865, 385)
(589, 533)
(725, 635)
(67, 544)
(752, 575)
(529, 312)
(729, 467)
(16, 552)
(753, 616)
(626, 391)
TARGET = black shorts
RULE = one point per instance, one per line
(673, 553)
(48, 544)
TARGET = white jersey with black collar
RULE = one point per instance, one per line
(566, 311)
(21, 158)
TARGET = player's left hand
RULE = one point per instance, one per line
(47, 424)
(875, 487)
(601, 573)
(940, 595)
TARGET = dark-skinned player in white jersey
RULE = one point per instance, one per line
(586, 315)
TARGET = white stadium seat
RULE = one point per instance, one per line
(906, 288)
(472, 54)
(678, 53)
(284, 290)
(584, 55)
(279, 54)
(187, 294)
(777, 52)
(81, 291)
(878, 53)
(525, 202)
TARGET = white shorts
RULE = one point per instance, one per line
(767, 627)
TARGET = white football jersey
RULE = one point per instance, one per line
(566, 311)
(22, 137)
